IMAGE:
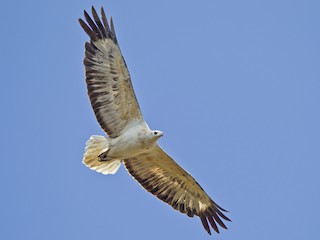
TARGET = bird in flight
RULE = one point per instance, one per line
(130, 141)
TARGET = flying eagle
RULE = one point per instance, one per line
(130, 141)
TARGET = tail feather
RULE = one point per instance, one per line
(94, 147)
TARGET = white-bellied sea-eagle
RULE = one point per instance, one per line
(130, 141)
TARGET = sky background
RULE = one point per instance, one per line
(234, 86)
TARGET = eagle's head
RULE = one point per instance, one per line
(151, 137)
(157, 134)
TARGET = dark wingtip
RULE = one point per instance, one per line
(213, 224)
(222, 215)
(222, 209)
(87, 29)
(214, 216)
(112, 27)
(85, 13)
(218, 220)
(104, 20)
(93, 10)
(205, 223)
(102, 30)
(98, 28)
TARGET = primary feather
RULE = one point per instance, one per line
(108, 80)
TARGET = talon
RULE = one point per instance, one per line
(103, 157)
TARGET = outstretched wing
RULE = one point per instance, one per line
(107, 76)
(160, 175)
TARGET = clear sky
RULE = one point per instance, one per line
(234, 86)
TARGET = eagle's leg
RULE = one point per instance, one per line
(104, 156)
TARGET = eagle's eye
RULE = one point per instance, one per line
(155, 133)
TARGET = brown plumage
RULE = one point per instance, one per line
(160, 175)
(107, 76)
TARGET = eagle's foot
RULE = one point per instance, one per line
(103, 157)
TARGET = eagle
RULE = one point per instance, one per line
(129, 139)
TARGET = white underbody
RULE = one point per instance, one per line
(134, 141)
(137, 138)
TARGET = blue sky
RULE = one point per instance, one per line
(234, 85)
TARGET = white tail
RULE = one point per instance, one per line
(94, 147)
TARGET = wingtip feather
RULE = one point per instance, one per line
(112, 27)
(205, 223)
(222, 215)
(218, 220)
(213, 224)
(104, 20)
(87, 29)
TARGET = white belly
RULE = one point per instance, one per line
(134, 142)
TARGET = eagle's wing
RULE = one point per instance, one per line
(107, 76)
(160, 175)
